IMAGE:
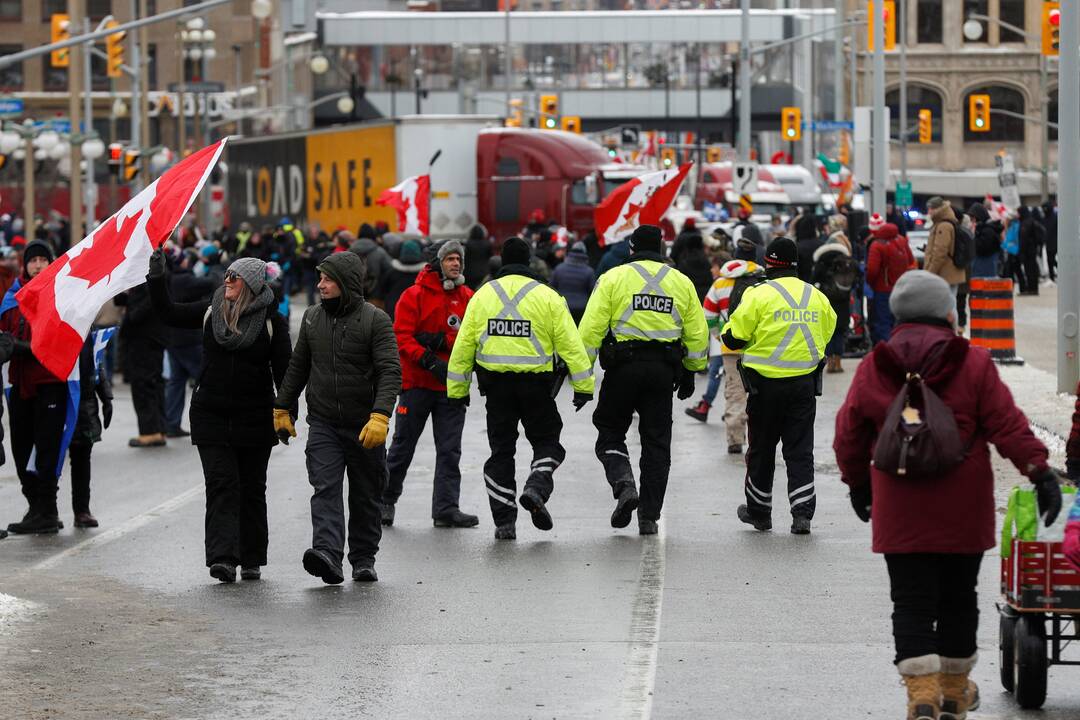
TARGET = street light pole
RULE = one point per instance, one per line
(28, 186)
(744, 82)
(89, 191)
(1068, 285)
(879, 139)
(838, 62)
(902, 21)
(1044, 131)
(75, 62)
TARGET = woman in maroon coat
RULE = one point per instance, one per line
(933, 532)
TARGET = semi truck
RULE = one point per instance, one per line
(484, 173)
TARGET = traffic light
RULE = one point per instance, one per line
(549, 111)
(979, 113)
(517, 116)
(926, 125)
(844, 153)
(114, 49)
(667, 157)
(791, 123)
(571, 123)
(889, 10)
(116, 158)
(60, 32)
(131, 165)
(714, 154)
(1051, 28)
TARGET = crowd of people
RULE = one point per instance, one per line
(401, 327)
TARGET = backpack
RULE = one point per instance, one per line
(742, 284)
(963, 253)
(919, 438)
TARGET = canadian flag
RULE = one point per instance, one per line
(61, 302)
(412, 199)
(642, 201)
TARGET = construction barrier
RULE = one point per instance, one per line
(992, 323)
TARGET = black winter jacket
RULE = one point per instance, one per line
(92, 386)
(233, 400)
(348, 359)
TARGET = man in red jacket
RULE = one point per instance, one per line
(426, 322)
(888, 257)
(933, 532)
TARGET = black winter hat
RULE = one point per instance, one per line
(647, 238)
(782, 253)
(38, 248)
(805, 228)
(366, 231)
(516, 251)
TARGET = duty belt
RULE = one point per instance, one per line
(510, 312)
(652, 284)
(775, 360)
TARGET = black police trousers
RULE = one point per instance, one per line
(524, 398)
(781, 410)
(644, 387)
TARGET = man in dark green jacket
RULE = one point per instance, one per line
(347, 357)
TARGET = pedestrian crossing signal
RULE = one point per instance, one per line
(60, 32)
(114, 50)
(926, 126)
(1051, 28)
(791, 123)
(979, 113)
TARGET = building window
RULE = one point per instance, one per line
(980, 7)
(96, 8)
(1052, 112)
(151, 67)
(10, 10)
(1012, 12)
(52, 78)
(1002, 127)
(929, 21)
(99, 77)
(918, 97)
(11, 77)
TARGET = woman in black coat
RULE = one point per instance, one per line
(246, 351)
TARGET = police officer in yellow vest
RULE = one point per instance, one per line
(512, 330)
(647, 326)
(782, 326)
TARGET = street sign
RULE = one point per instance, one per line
(1010, 193)
(629, 135)
(827, 125)
(11, 106)
(903, 194)
(199, 87)
(744, 178)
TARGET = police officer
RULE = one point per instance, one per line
(645, 322)
(513, 328)
(782, 325)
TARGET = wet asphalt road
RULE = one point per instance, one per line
(707, 620)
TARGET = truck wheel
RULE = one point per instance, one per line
(1030, 664)
(1006, 656)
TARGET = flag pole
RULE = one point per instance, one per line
(431, 192)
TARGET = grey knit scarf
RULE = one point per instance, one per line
(251, 322)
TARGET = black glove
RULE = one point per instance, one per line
(434, 365)
(106, 412)
(686, 384)
(1048, 495)
(434, 341)
(22, 347)
(157, 264)
(459, 402)
(861, 500)
(581, 400)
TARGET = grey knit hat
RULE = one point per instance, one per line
(252, 271)
(921, 295)
(451, 247)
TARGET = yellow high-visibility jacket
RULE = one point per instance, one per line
(787, 322)
(517, 324)
(647, 300)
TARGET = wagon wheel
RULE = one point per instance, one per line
(1030, 664)
(1006, 644)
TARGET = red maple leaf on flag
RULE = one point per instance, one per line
(106, 252)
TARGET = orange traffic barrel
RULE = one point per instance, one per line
(992, 322)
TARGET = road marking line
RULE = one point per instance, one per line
(639, 676)
(123, 528)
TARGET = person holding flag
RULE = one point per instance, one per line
(646, 325)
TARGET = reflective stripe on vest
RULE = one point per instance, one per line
(775, 360)
(652, 284)
(510, 312)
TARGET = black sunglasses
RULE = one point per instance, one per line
(231, 275)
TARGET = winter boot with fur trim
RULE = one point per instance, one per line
(959, 693)
(922, 676)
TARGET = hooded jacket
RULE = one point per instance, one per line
(940, 245)
(886, 261)
(377, 260)
(427, 307)
(574, 280)
(694, 264)
(347, 358)
(807, 241)
(954, 513)
(477, 254)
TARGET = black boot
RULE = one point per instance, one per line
(759, 522)
(365, 573)
(223, 571)
(800, 526)
(624, 508)
(530, 500)
(319, 564)
(34, 523)
(647, 527)
(456, 519)
(506, 532)
(387, 514)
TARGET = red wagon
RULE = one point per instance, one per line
(1039, 617)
